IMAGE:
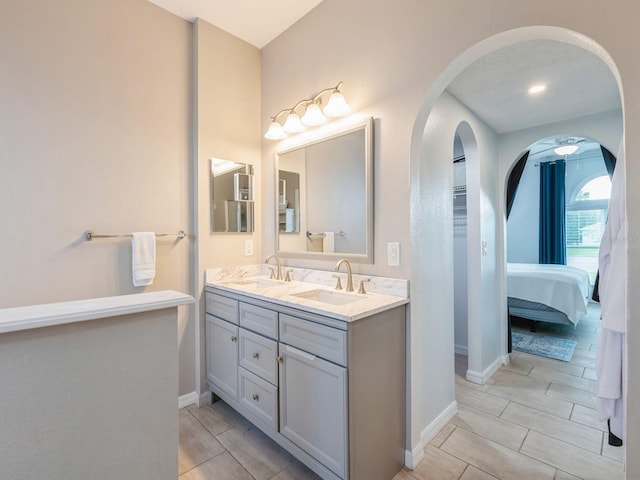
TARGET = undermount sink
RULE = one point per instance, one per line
(259, 282)
(327, 296)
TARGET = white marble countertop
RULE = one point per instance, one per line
(46, 315)
(303, 295)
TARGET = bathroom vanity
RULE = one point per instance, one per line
(320, 371)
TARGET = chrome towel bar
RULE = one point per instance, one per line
(321, 234)
(89, 235)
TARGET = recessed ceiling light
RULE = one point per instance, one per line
(537, 88)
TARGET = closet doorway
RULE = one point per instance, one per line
(460, 245)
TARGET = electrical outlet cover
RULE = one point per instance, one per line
(393, 254)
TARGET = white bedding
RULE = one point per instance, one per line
(558, 286)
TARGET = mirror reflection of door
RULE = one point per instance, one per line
(288, 202)
(232, 187)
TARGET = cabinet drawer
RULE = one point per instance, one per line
(326, 342)
(258, 355)
(222, 307)
(260, 320)
(258, 396)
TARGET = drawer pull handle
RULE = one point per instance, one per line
(256, 355)
(256, 397)
(234, 338)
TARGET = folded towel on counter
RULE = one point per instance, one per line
(143, 258)
(328, 242)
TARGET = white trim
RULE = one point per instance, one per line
(438, 424)
(481, 377)
(205, 398)
(414, 457)
(188, 399)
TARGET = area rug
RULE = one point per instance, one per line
(536, 344)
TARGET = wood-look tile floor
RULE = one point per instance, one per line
(535, 419)
(216, 443)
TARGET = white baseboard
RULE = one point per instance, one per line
(205, 398)
(188, 399)
(481, 377)
(414, 457)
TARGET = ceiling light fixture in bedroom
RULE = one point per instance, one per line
(565, 149)
(336, 106)
(539, 88)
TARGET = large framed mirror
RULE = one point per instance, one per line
(231, 196)
(324, 197)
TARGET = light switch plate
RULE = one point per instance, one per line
(248, 248)
(393, 254)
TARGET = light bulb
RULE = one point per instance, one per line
(337, 106)
(313, 116)
(275, 132)
(293, 124)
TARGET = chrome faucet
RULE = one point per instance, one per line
(349, 287)
(278, 275)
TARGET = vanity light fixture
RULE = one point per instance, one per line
(293, 124)
(313, 115)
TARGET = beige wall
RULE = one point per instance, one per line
(395, 61)
(227, 119)
(74, 409)
(95, 133)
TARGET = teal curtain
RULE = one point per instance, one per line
(514, 180)
(553, 244)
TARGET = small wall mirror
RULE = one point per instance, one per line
(324, 198)
(231, 196)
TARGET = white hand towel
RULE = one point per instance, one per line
(288, 220)
(328, 242)
(143, 258)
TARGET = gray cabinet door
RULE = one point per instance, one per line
(222, 355)
(313, 406)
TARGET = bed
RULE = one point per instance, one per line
(547, 293)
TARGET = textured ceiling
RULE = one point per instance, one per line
(255, 21)
(495, 87)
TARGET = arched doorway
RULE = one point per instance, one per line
(432, 259)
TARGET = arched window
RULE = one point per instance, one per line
(586, 216)
(598, 188)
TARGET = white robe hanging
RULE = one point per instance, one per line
(610, 360)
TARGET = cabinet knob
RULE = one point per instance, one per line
(234, 338)
(256, 397)
(280, 360)
(256, 355)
